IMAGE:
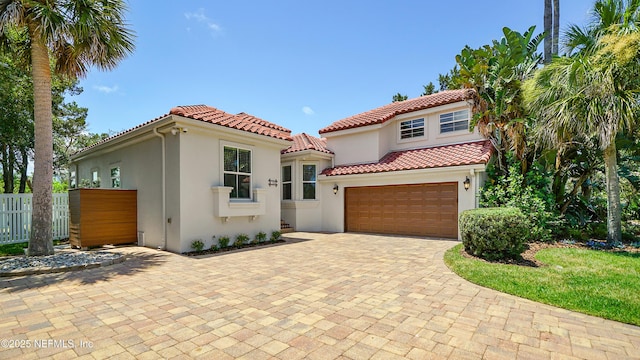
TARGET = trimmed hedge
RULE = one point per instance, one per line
(494, 233)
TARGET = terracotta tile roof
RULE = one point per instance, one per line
(240, 121)
(384, 113)
(212, 115)
(477, 152)
(304, 141)
(121, 134)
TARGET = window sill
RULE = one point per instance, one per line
(454, 133)
(224, 207)
(300, 204)
(413, 139)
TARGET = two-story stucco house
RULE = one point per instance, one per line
(199, 172)
(405, 168)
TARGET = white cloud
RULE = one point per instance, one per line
(200, 17)
(307, 110)
(106, 89)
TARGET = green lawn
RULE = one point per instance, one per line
(604, 284)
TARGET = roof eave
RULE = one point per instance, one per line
(479, 167)
(125, 138)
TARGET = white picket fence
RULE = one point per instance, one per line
(15, 217)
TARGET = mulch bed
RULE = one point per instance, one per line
(528, 256)
(231, 248)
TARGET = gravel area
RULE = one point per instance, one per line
(60, 261)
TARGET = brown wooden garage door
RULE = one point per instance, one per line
(417, 209)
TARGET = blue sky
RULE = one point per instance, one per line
(300, 64)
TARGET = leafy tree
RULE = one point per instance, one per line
(399, 97)
(448, 81)
(528, 195)
(76, 34)
(496, 72)
(594, 95)
(429, 89)
(16, 120)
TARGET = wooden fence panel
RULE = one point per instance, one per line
(15, 217)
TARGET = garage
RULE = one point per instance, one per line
(413, 209)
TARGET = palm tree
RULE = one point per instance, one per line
(606, 13)
(591, 95)
(74, 35)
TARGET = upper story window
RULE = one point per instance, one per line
(412, 128)
(72, 180)
(308, 182)
(454, 121)
(115, 177)
(237, 172)
(95, 178)
(286, 182)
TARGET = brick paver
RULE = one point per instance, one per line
(349, 296)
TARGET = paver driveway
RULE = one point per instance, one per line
(339, 295)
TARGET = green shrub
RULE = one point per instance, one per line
(223, 242)
(494, 233)
(275, 235)
(241, 239)
(261, 237)
(530, 195)
(197, 245)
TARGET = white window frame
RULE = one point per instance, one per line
(412, 127)
(314, 181)
(73, 179)
(456, 120)
(289, 182)
(117, 177)
(95, 178)
(237, 173)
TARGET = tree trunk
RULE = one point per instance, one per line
(41, 241)
(614, 221)
(7, 171)
(548, 29)
(9, 187)
(23, 171)
(577, 186)
(556, 27)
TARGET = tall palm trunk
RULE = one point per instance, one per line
(556, 27)
(41, 241)
(614, 221)
(548, 31)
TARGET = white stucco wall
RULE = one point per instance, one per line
(193, 165)
(354, 146)
(201, 169)
(371, 143)
(333, 205)
(140, 169)
(301, 214)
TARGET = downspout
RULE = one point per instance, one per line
(164, 187)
